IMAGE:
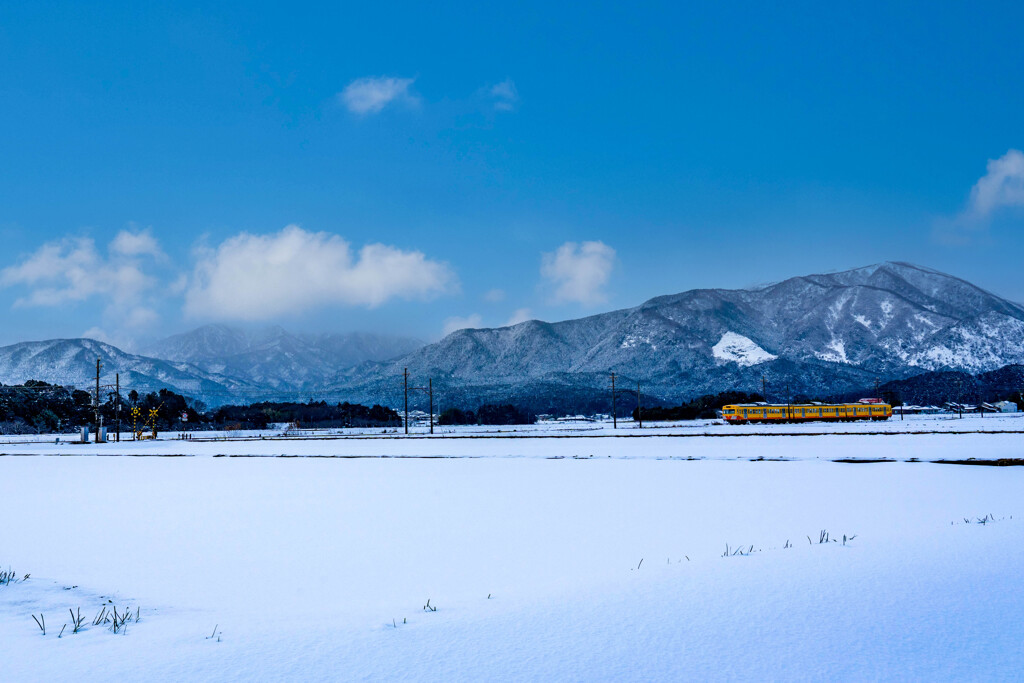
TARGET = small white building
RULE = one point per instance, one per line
(1006, 406)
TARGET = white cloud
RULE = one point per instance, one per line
(257, 277)
(117, 339)
(179, 284)
(73, 269)
(141, 243)
(521, 315)
(98, 334)
(456, 323)
(1001, 186)
(494, 295)
(370, 95)
(140, 318)
(579, 272)
(505, 95)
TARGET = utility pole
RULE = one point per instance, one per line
(117, 394)
(764, 390)
(98, 365)
(639, 416)
(876, 388)
(429, 389)
(615, 421)
(789, 402)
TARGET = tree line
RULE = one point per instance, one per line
(37, 407)
(40, 407)
(705, 407)
(314, 413)
(487, 414)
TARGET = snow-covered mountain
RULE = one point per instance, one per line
(73, 362)
(276, 359)
(818, 334)
(216, 364)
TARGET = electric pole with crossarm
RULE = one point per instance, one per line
(615, 420)
(429, 389)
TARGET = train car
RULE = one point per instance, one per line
(815, 412)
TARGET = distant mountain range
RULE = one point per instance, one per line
(214, 363)
(276, 360)
(819, 335)
(72, 362)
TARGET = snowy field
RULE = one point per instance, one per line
(924, 438)
(587, 558)
(1013, 422)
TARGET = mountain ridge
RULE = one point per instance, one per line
(819, 334)
(816, 333)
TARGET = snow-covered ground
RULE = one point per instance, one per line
(541, 565)
(920, 437)
(1002, 422)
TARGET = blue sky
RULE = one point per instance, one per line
(408, 168)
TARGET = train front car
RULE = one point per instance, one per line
(744, 413)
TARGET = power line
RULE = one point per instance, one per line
(429, 389)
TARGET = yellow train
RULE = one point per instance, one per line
(815, 412)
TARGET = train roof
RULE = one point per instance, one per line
(800, 405)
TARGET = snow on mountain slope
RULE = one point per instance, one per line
(818, 334)
(204, 343)
(736, 348)
(73, 362)
(276, 359)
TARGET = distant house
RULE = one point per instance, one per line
(1005, 406)
(917, 410)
